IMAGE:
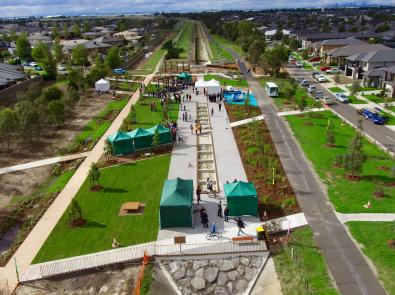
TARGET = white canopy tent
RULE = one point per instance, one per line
(213, 87)
(102, 85)
(200, 84)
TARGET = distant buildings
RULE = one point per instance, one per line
(10, 75)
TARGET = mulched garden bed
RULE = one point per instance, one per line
(278, 198)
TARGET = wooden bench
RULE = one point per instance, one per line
(243, 239)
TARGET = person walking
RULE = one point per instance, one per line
(204, 218)
(240, 225)
(198, 192)
(226, 214)
(200, 129)
(212, 111)
(219, 106)
(191, 127)
(219, 212)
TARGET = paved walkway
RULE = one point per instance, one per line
(246, 121)
(365, 217)
(43, 162)
(349, 268)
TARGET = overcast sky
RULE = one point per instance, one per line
(11, 8)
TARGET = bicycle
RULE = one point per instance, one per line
(217, 234)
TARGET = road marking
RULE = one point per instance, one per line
(390, 138)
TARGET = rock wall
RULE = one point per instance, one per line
(229, 275)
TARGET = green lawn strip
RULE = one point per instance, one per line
(365, 88)
(307, 263)
(281, 99)
(146, 118)
(219, 53)
(354, 100)
(336, 89)
(346, 196)
(229, 44)
(228, 82)
(373, 237)
(307, 66)
(184, 41)
(99, 124)
(141, 181)
(389, 119)
(376, 99)
(391, 108)
(147, 280)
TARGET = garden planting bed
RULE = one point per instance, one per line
(262, 165)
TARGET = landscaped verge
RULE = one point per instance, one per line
(301, 267)
(347, 196)
(140, 181)
(262, 165)
(239, 82)
(373, 238)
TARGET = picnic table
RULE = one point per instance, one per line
(131, 207)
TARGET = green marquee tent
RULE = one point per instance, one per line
(122, 143)
(142, 138)
(164, 133)
(184, 76)
(176, 203)
(242, 198)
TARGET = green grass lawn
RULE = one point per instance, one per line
(364, 88)
(141, 181)
(376, 99)
(146, 118)
(184, 41)
(219, 53)
(281, 100)
(336, 89)
(227, 82)
(373, 237)
(346, 196)
(310, 265)
(228, 44)
(389, 119)
(353, 100)
(307, 66)
(392, 108)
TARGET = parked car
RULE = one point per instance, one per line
(341, 97)
(318, 94)
(119, 71)
(324, 69)
(322, 79)
(333, 71)
(33, 64)
(327, 100)
(38, 68)
(299, 65)
(299, 80)
(315, 63)
(304, 83)
(315, 74)
(372, 116)
(311, 89)
(316, 58)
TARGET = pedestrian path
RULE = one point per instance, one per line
(298, 112)
(365, 217)
(246, 121)
(43, 162)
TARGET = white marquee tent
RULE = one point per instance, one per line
(102, 85)
(213, 87)
(200, 84)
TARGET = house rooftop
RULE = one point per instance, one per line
(338, 42)
(354, 49)
(380, 56)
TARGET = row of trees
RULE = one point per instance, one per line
(35, 110)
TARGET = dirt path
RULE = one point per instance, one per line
(203, 46)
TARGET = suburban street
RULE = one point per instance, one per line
(379, 133)
(350, 270)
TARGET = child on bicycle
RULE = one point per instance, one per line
(213, 229)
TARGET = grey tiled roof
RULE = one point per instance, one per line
(380, 56)
(355, 49)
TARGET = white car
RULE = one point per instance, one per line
(333, 71)
(341, 97)
(322, 79)
(33, 64)
(299, 64)
(327, 100)
(61, 68)
(311, 89)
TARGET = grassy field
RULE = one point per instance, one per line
(307, 66)
(392, 108)
(389, 119)
(281, 100)
(373, 237)
(376, 99)
(228, 82)
(141, 181)
(219, 53)
(184, 41)
(353, 100)
(336, 89)
(364, 88)
(346, 196)
(229, 44)
(310, 265)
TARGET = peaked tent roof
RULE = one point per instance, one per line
(177, 192)
(139, 132)
(213, 82)
(160, 128)
(118, 136)
(102, 81)
(240, 188)
(184, 75)
(201, 83)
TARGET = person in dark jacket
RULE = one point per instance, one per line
(204, 218)
(198, 192)
(219, 213)
(240, 225)
(226, 214)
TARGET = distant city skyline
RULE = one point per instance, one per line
(22, 8)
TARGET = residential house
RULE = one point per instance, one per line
(339, 55)
(10, 75)
(110, 40)
(93, 47)
(131, 35)
(271, 34)
(37, 38)
(373, 77)
(319, 48)
(388, 82)
(362, 62)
